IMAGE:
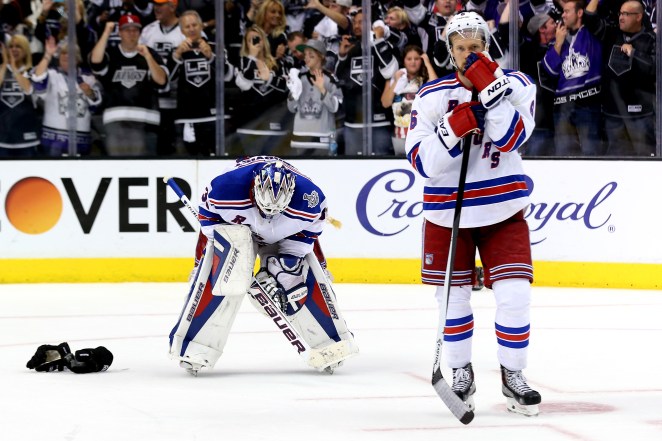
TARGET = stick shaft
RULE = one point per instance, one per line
(180, 194)
(452, 401)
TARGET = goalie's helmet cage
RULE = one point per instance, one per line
(467, 25)
(273, 187)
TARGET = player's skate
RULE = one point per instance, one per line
(464, 385)
(520, 397)
(191, 368)
(330, 369)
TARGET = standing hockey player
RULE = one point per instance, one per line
(493, 110)
(262, 206)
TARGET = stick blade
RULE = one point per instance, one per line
(452, 401)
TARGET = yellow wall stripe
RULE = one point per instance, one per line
(561, 274)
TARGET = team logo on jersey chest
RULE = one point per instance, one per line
(197, 72)
(129, 76)
(313, 199)
(356, 69)
(575, 65)
(63, 104)
(164, 48)
(12, 94)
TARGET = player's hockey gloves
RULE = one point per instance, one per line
(294, 84)
(487, 77)
(288, 271)
(275, 292)
(90, 360)
(49, 358)
(464, 119)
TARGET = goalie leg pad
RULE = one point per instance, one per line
(201, 332)
(320, 321)
(314, 315)
(233, 260)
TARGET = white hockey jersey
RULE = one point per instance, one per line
(53, 88)
(495, 185)
(164, 41)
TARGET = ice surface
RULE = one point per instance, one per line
(594, 357)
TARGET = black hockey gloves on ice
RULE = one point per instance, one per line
(49, 358)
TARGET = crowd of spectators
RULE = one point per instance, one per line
(294, 74)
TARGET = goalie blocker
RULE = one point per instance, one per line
(221, 279)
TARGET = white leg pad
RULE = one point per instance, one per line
(333, 354)
(320, 321)
(202, 330)
(205, 347)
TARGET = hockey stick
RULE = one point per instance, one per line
(454, 403)
(316, 358)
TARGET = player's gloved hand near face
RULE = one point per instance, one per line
(487, 77)
(49, 358)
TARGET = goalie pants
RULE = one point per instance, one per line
(505, 252)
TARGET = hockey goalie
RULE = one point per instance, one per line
(262, 207)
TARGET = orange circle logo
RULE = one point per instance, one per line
(33, 205)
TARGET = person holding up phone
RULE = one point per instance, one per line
(193, 67)
(262, 116)
(315, 97)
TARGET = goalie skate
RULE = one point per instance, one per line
(330, 357)
(520, 398)
(464, 385)
(190, 367)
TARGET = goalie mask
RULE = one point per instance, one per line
(273, 187)
(467, 25)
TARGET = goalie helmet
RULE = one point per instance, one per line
(467, 25)
(273, 187)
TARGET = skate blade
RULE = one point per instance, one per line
(191, 368)
(514, 407)
(470, 403)
(330, 369)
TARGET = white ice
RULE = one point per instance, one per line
(594, 357)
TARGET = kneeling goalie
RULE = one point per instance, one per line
(262, 207)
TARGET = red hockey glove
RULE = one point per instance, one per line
(480, 70)
(454, 125)
(487, 77)
(466, 118)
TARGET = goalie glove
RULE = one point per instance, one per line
(294, 84)
(49, 358)
(272, 289)
(288, 272)
(487, 77)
